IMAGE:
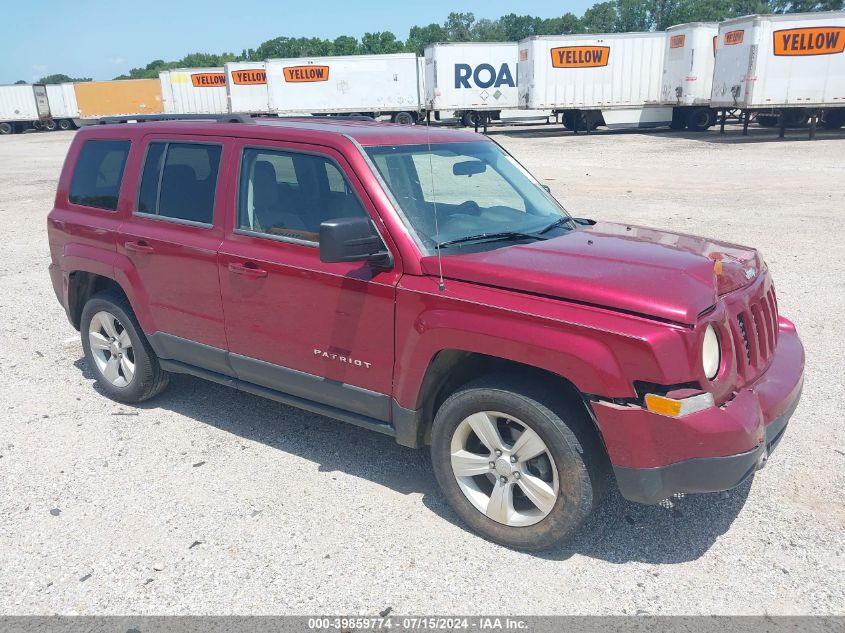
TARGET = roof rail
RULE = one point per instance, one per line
(142, 118)
(345, 117)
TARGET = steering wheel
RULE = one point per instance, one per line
(469, 207)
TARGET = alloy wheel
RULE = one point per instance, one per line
(504, 468)
(111, 349)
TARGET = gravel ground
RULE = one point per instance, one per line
(210, 501)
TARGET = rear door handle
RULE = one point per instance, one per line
(140, 247)
(248, 269)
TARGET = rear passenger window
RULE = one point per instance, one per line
(98, 174)
(290, 195)
(179, 181)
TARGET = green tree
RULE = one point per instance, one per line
(633, 16)
(380, 43)
(421, 36)
(458, 27)
(20, 82)
(345, 45)
(60, 79)
(600, 18)
(516, 27)
(488, 31)
(565, 24)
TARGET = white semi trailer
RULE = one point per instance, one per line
(246, 87)
(371, 85)
(64, 110)
(194, 91)
(608, 79)
(23, 107)
(783, 67)
(688, 62)
(472, 80)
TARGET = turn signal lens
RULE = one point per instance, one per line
(662, 405)
(680, 407)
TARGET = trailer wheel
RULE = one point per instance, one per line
(833, 119)
(49, 125)
(679, 119)
(404, 118)
(699, 119)
(575, 117)
(6, 128)
(767, 120)
(796, 117)
(36, 125)
(470, 118)
(64, 124)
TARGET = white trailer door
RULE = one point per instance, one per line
(42, 103)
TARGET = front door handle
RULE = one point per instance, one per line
(247, 269)
(140, 247)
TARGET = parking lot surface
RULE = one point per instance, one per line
(210, 501)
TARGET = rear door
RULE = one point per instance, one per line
(172, 239)
(323, 332)
(41, 101)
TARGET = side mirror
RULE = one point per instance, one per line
(547, 188)
(352, 240)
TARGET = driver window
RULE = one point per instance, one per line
(289, 194)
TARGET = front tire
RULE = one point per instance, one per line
(116, 350)
(519, 465)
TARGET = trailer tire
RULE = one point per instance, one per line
(65, 124)
(49, 125)
(6, 128)
(404, 118)
(469, 118)
(767, 120)
(833, 119)
(679, 119)
(796, 117)
(699, 119)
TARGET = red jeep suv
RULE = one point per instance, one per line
(421, 283)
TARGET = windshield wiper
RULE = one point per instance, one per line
(556, 223)
(492, 237)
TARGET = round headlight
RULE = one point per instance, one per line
(711, 353)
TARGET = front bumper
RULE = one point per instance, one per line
(655, 456)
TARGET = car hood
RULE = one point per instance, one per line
(655, 273)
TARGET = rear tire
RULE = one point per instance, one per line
(117, 352)
(65, 125)
(49, 125)
(567, 482)
(6, 128)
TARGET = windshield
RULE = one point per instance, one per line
(482, 195)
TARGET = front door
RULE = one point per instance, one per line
(322, 332)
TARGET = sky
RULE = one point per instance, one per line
(105, 39)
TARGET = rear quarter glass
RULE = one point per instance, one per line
(98, 174)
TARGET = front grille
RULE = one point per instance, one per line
(756, 334)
